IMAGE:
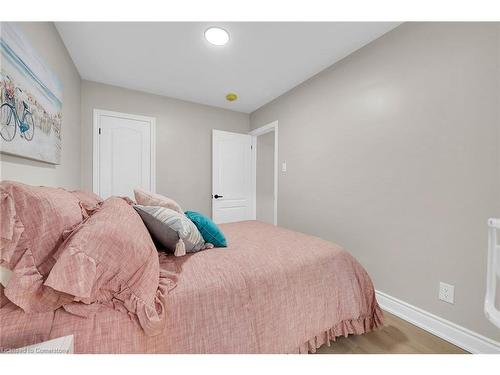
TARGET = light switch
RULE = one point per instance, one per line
(283, 167)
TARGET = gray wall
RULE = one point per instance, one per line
(265, 178)
(45, 39)
(394, 153)
(183, 136)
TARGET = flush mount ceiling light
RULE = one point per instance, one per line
(217, 36)
(231, 97)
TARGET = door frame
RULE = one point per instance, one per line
(96, 144)
(271, 127)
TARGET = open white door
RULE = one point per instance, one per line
(124, 153)
(232, 187)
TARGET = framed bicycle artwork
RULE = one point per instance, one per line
(30, 100)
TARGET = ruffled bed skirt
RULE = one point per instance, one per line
(344, 328)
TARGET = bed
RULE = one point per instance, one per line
(272, 290)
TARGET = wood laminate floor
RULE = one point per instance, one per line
(396, 337)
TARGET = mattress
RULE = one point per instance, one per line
(272, 290)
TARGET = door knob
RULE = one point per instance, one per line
(217, 196)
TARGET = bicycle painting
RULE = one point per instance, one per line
(30, 100)
(10, 120)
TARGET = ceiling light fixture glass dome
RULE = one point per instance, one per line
(217, 36)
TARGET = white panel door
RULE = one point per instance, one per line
(125, 154)
(232, 194)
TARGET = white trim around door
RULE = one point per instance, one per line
(271, 127)
(98, 113)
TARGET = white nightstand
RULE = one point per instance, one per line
(61, 345)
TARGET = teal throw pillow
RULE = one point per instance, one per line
(208, 229)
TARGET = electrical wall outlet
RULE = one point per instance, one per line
(447, 293)
(283, 166)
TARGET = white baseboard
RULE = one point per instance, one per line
(451, 332)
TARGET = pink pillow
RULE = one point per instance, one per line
(33, 223)
(89, 201)
(145, 198)
(111, 259)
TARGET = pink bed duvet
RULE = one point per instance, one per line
(271, 291)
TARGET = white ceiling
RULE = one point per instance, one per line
(260, 62)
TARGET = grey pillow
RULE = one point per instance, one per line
(172, 229)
